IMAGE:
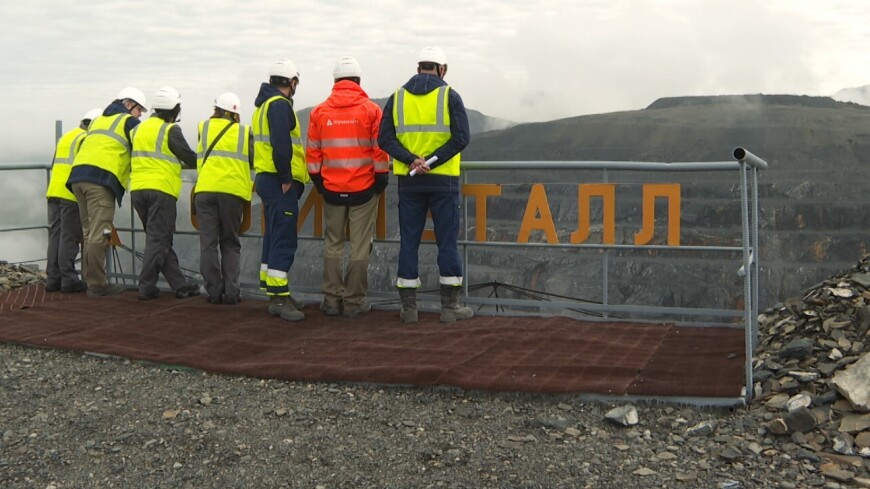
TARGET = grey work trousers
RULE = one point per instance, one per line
(64, 237)
(157, 211)
(96, 211)
(358, 223)
(220, 218)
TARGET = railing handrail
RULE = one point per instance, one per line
(740, 154)
(602, 165)
(25, 166)
(744, 156)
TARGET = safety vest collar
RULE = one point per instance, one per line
(263, 110)
(73, 147)
(238, 154)
(158, 153)
(438, 127)
(260, 135)
(112, 131)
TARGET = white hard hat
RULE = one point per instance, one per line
(133, 94)
(229, 102)
(284, 67)
(346, 67)
(92, 114)
(432, 54)
(166, 98)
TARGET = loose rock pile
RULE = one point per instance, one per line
(812, 371)
(14, 276)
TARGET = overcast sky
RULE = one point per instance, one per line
(527, 60)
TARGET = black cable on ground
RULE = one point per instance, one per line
(191, 274)
(525, 292)
(26, 261)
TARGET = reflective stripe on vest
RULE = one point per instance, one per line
(263, 162)
(106, 147)
(423, 125)
(346, 162)
(345, 143)
(154, 166)
(67, 147)
(226, 170)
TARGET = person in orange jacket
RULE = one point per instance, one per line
(350, 171)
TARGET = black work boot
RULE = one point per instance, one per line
(282, 306)
(409, 305)
(187, 290)
(451, 311)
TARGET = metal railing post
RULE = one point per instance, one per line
(756, 251)
(465, 262)
(132, 241)
(605, 268)
(58, 133)
(747, 282)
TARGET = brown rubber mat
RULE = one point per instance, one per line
(495, 353)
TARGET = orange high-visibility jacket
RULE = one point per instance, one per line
(343, 141)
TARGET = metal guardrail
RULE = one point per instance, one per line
(746, 164)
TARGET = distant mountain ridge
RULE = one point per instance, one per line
(754, 99)
(800, 129)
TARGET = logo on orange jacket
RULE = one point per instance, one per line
(329, 122)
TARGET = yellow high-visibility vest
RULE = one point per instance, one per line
(423, 125)
(154, 166)
(263, 144)
(106, 147)
(227, 169)
(67, 147)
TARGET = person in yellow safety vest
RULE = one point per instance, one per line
(279, 161)
(64, 224)
(159, 152)
(99, 177)
(425, 131)
(224, 160)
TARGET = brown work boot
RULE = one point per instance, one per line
(107, 290)
(451, 311)
(409, 305)
(296, 302)
(281, 306)
(330, 308)
(353, 310)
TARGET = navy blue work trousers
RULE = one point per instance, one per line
(413, 207)
(279, 240)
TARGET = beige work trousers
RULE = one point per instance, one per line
(357, 225)
(97, 212)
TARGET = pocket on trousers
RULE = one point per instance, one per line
(102, 215)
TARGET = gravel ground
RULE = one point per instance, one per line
(69, 420)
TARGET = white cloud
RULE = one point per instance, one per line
(523, 60)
